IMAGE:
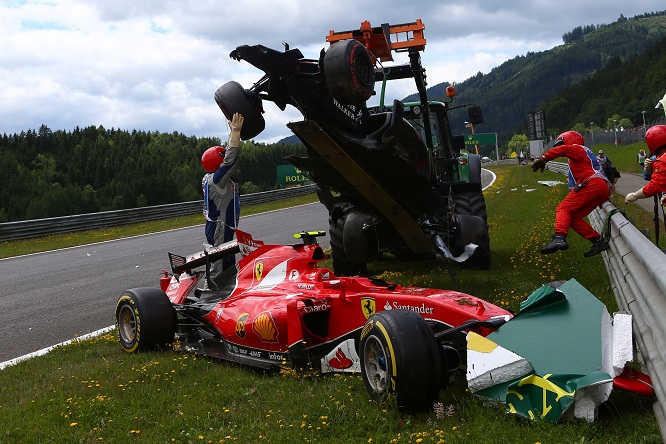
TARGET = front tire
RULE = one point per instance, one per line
(145, 319)
(400, 356)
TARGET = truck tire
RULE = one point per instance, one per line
(471, 203)
(474, 163)
(401, 357)
(349, 72)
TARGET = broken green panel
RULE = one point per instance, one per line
(555, 354)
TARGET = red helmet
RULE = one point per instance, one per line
(655, 138)
(212, 158)
(570, 138)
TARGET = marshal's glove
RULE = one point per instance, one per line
(632, 197)
(539, 164)
(663, 200)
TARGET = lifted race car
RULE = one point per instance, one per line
(393, 177)
(278, 308)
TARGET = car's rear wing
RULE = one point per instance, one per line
(243, 244)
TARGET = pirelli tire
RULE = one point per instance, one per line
(145, 319)
(349, 72)
(472, 230)
(342, 264)
(231, 98)
(401, 358)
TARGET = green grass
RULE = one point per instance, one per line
(94, 392)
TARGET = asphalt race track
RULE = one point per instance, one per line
(58, 295)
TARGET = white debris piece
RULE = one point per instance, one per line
(623, 350)
(550, 183)
(489, 364)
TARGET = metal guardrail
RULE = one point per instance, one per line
(637, 271)
(81, 222)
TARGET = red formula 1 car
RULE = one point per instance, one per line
(277, 307)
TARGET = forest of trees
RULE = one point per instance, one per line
(621, 88)
(48, 173)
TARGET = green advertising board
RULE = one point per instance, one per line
(290, 175)
(481, 139)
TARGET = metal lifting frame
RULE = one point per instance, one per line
(380, 41)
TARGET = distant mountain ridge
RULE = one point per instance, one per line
(531, 82)
(526, 83)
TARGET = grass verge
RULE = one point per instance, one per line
(93, 392)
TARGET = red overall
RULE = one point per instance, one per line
(570, 213)
(584, 169)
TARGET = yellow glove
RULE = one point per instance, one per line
(663, 200)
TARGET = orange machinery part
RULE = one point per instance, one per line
(400, 38)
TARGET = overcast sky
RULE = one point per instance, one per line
(154, 65)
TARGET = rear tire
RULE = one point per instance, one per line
(145, 319)
(400, 356)
(349, 72)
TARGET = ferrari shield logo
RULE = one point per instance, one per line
(368, 306)
(258, 270)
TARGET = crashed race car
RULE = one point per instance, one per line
(393, 177)
(277, 307)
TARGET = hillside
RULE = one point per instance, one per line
(523, 84)
(620, 88)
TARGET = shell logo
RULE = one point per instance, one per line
(264, 326)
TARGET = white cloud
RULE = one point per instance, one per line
(155, 65)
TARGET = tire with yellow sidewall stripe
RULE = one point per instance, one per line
(145, 319)
(401, 358)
